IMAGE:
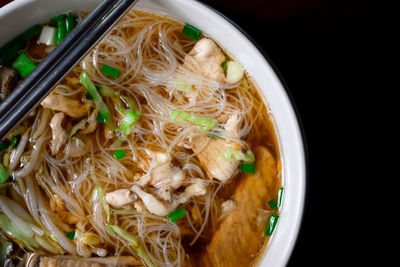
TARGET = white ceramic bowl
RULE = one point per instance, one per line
(20, 14)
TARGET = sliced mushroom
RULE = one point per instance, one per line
(8, 79)
(60, 136)
(69, 106)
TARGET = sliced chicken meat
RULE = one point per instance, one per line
(59, 135)
(157, 207)
(163, 176)
(120, 198)
(206, 57)
(209, 152)
(71, 107)
(91, 123)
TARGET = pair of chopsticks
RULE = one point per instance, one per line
(34, 88)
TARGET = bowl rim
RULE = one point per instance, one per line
(301, 139)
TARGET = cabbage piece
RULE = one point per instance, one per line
(203, 123)
(239, 155)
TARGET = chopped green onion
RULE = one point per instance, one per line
(31, 32)
(88, 96)
(248, 168)
(224, 65)
(272, 204)
(280, 195)
(107, 91)
(119, 154)
(177, 214)
(203, 123)
(238, 155)
(3, 146)
(24, 65)
(129, 120)
(57, 18)
(104, 115)
(191, 31)
(71, 235)
(273, 220)
(47, 36)
(183, 86)
(133, 242)
(4, 175)
(70, 23)
(11, 49)
(101, 118)
(110, 71)
(61, 30)
(234, 72)
(14, 141)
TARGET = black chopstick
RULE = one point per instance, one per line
(62, 49)
(63, 58)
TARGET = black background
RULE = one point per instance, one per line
(333, 57)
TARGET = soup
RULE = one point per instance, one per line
(156, 150)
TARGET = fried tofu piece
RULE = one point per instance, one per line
(240, 235)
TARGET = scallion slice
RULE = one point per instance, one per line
(119, 154)
(4, 175)
(57, 18)
(104, 113)
(110, 71)
(183, 86)
(24, 65)
(177, 214)
(14, 141)
(47, 36)
(203, 123)
(3, 146)
(273, 220)
(248, 168)
(61, 30)
(71, 235)
(70, 22)
(280, 196)
(11, 49)
(224, 65)
(191, 31)
(272, 204)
